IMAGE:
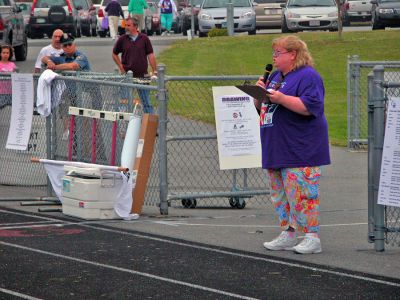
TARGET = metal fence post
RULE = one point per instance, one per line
(229, 18)
(378, 95)
(356, 100)
(371, 155)
(162, 138)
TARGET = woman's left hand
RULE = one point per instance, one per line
(276, 96)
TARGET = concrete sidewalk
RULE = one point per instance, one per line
(343, 214)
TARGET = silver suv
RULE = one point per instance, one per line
(12, 28)
(48, 15)
(356, 10)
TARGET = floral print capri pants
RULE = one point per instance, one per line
(295, 196)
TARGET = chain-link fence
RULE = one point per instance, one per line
(193, 174)
(191, 166)
(383, 221)
(357, 113)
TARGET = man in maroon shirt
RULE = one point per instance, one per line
(136, 52)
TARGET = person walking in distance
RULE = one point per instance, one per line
(54, 49)
(136, 9)
(167, 9)
(294, 141)
(114, 10)
(136, 53)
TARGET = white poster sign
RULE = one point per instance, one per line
(238, 129)
(21, 112)
(389, 183)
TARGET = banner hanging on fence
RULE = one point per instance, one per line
(238, 131)
(389, 183)
(21, 112)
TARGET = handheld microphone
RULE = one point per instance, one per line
(268, 69)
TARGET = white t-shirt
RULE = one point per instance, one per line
(47, 51)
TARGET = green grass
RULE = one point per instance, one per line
(247, 55)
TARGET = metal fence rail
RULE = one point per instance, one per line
(357, 87)
(383, 221)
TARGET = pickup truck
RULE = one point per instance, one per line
(12, 28)
(356, 10)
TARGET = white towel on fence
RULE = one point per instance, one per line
(43, 101)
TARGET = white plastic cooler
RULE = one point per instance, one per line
(89, 193)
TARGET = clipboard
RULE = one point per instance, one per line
(254, 91)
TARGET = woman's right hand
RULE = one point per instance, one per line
(261, 83)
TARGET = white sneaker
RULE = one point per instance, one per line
(282, 242)
(164, 33)
(309, 245)
(168, 33)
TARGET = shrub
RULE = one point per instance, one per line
(218, 32)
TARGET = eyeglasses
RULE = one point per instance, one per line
(67, 45)
(277, 53)
(57, 36)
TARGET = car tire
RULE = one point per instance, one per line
(102, 33)
(202, 34)
(252, 32)
(57, 14)
(21, 51)
(285, 28)
(376, 25)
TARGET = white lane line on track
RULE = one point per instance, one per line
(24, 223)
(276, 261)
(93, 263)
(23, 296)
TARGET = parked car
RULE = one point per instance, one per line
(48, 15)
(268, 13)
(184, 18)
(152, 19)
(26, 8)
(299, 15)
(356, 10)
(12, 29)
(212, 14)
(385, 13)
(101, 13)
(87, 17)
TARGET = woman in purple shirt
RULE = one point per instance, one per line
(294, 139)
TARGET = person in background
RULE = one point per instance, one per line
(294, 139)
(6, 66)
(136, 9)
(136, 53)
(54, 49)
(114, 10)
(167, 9)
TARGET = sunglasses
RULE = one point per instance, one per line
(67, 45)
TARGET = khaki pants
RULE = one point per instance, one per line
(113, 24)
(141, 21)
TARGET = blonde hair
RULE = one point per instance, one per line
(293, 43)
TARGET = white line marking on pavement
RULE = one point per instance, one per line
(298, 265)
(23, 296)
(25, 223)
(174, 223)
(93, 263)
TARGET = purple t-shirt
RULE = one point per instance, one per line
(291, 140)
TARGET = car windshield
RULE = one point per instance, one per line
(82, 4)
(223, 3)
(385, 1)
(152, 7)
(304, 3)
(48, 3)
(122, 2)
